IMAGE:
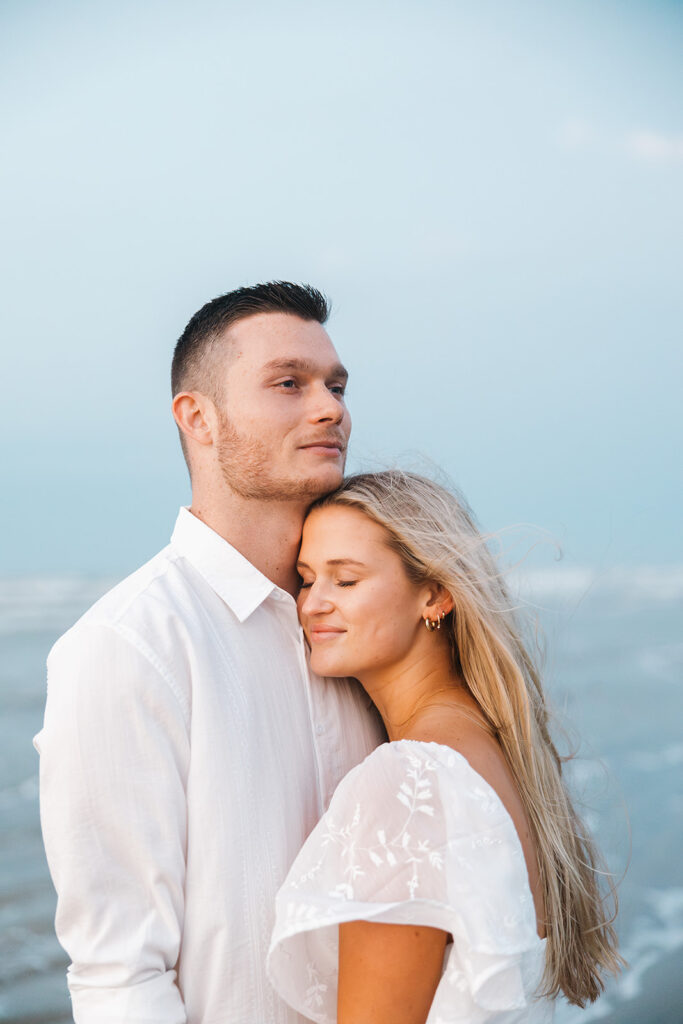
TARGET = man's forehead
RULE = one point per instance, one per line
(268, 341)
(273, 325)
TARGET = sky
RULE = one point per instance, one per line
(490, 194)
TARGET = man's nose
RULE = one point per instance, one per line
(325, 406)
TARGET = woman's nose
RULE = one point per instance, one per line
(315, 601)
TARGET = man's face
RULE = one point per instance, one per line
(283, 423)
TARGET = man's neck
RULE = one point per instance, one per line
(266, 533)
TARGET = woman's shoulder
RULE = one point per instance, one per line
(425, 771)
(478, 754)
(458, 727)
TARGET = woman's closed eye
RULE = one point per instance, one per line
(306, 584)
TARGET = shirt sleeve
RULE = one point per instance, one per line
(114, 754)
(412, 836)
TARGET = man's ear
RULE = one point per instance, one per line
(437, 600)
(194, 414)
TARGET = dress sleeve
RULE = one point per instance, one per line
(410, 837)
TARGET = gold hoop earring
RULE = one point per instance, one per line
(433, 624)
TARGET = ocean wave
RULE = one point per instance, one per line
(650, 584)
(656, 932)
(655, 761)
(47, 603)
(664, 662)
(27, 952)
(26, 791)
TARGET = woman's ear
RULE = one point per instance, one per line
(438, 601)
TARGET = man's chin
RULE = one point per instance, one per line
(324, 480)
(304, 488)
(309, 489)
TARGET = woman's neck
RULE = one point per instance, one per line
(401, 693)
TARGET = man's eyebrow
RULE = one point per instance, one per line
(334, 561)
(338, 372)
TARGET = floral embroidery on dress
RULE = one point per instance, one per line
(415, 793)
(487, 798)
(314, 995)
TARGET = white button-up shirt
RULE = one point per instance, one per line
(186, 754)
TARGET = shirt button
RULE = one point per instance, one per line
(319, 730)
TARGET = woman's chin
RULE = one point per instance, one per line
(324, 665)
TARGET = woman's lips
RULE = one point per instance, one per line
(321, 633)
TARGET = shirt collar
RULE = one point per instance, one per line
(234, 579)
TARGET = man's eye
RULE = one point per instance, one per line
(338, 389)
(289, 383)
(346, 583)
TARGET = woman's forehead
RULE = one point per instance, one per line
(338, 532)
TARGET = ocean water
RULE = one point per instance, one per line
(614, 671)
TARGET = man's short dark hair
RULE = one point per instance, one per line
(194, 365)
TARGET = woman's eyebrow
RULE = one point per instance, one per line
(333, 561)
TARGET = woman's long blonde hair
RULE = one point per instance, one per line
(435, 535)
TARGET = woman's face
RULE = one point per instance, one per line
(359, 610)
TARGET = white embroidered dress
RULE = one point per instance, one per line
(414, 835)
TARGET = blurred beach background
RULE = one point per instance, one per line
(491, 195)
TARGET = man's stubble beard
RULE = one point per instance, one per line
(244, 462)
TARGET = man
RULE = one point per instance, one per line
(187, 751)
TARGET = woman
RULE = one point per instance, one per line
(450, 879)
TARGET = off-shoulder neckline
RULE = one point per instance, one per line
(484, 782)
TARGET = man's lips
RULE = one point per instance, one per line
(325, 447)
